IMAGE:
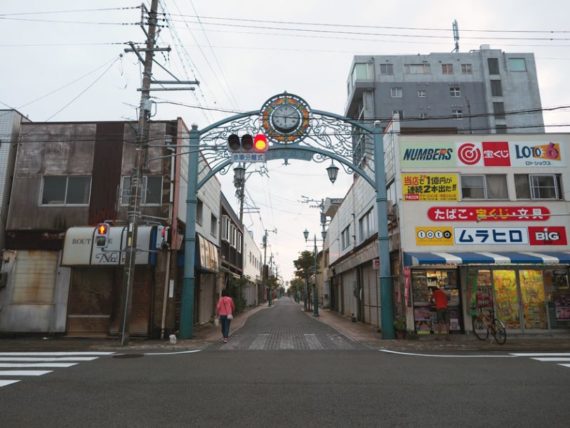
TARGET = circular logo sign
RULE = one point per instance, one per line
(285, 118)
(469, 154)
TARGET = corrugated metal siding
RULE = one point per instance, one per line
(34, 276)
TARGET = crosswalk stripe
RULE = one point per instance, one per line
(259, 342)
(35, 365)
(547, 359)
(313, 342)
(7, 382)
(564, 365)
(52, 354)
(339, 342)
(48, 359)
(24, 372)
(286, 343)
(541, 354)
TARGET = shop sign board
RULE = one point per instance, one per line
(434, 235)
(482, 154)
(488, 213)
(491, 235)
(551, 235)
(430, 187)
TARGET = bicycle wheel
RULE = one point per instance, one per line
(480, 329)
(500, 333)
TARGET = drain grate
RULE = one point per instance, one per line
(128, 356)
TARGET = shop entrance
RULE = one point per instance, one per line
(522, 297)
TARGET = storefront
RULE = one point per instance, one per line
(527, 291)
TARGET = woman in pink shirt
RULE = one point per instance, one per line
(225, 309)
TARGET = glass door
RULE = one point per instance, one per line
(506, 297)
(532, 293)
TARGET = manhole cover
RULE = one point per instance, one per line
(128, 356)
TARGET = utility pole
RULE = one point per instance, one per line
(265, 268)
(143, 128)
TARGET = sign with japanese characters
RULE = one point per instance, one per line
(481, 154)
(434, 235)
(488, 213)
(430, 187)
(491, 235)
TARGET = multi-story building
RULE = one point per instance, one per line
(481, 91)
(68, 177)
(251, 269)
(486, 217)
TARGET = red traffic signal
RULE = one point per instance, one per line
(260, 144)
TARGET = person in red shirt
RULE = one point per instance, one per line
(225, 309)
(439, 298)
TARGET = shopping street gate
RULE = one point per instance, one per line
(294, 131)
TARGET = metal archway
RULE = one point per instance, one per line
(331, 136)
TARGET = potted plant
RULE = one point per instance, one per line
(400, 327)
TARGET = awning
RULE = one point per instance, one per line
(501, 257)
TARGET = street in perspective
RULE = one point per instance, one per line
(283, 367)
(313, 214)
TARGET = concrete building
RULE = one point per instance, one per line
(251, 270)
(481, 91)
(485, 217)
(67, 178)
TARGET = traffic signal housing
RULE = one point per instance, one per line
(247, 143)
(102, 235)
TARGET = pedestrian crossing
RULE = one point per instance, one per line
(560, 358)
(288, 342)
(16, 366)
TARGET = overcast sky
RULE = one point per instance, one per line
(65, 65)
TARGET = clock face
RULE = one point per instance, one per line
(286, 118)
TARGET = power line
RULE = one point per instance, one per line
(53, 12)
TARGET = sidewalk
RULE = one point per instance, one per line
(357, 331)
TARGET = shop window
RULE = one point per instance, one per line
(557, 297)
(66, 190)
(538, 186)
(491, 186)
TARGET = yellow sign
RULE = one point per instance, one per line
(430, 187)
(434, 235)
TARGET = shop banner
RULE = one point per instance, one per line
(430, 187)
(491, 235)
(434, 235)
(482, 154)
(485, 213)
(547, 235)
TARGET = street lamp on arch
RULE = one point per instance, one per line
(332, 172)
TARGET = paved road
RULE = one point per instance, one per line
(272, 373)
(285, 327)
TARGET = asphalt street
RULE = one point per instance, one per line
(284, 368)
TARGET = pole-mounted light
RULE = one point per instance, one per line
(332, 172)
(306, 234)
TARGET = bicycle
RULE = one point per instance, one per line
(484, 323)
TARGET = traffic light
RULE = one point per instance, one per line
(247, 143)
(102, 234)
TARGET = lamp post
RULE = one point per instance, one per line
(315, 296)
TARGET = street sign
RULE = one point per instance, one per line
(248, 157)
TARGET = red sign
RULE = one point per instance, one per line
(496, 153)
(547, 235)
(514, 213)
(469, 154)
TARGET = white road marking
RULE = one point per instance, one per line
(36, 365)
(541, 354)
(564, 365)
(339, 342)
(51, 354)
(313, 342)
(286, 343)
(550, 359)
(24, 372)
(7, 382)
(444, 355)
(172, 353)
(47, 359)
(259, 342)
